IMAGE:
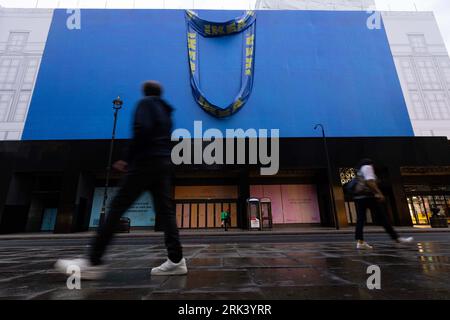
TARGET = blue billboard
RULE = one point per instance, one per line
(309, 67)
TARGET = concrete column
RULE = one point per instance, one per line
(86, 187)
(5, 180)
(17, 202)
(65, 220)
(35, 215)
(400, 203)
(15, 197)
(339, 200)
(243, 194)
(324, 201)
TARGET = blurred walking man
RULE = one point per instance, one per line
(148, 168)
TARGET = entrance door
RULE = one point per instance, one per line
(197, 214)
(420, 209)
(201, 206)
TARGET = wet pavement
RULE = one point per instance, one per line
(296, 270)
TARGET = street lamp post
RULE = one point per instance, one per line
(330, 175)
(117, 105)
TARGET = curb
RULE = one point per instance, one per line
(200, 234)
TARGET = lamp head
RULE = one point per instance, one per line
(117, 103)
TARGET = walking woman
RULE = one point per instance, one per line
(367, 195)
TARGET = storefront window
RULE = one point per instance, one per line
(291, 203)
(422, 198)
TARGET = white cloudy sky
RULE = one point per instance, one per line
(441, 8)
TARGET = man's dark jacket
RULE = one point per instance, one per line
(152, 128)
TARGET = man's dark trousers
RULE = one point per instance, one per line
(154, 175)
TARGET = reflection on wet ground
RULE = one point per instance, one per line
(238, 271)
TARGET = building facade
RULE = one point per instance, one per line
(54, 163)
(423, 66)
(23, 35)
(315, 4)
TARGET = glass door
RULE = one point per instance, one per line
(447, 201)
(419, 209)
(412, 211)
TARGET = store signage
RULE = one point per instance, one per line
(254, 223)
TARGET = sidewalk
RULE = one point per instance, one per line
(220, 232)
(244, 270)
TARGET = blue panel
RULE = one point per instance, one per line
(311, 66)
(49, 219)
(141, 212)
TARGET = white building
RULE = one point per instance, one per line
(423, 66)
(23, 34)
(315, 4)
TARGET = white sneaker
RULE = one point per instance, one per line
(88, 271)
(363, 245)
(169, 268)
(405, 239)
